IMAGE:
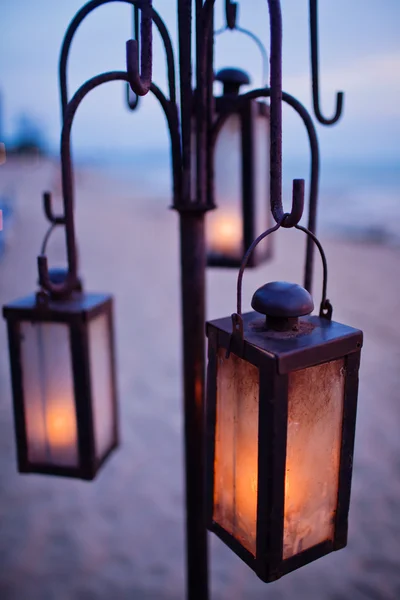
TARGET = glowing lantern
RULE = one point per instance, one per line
(241, 175)
(62, 364)
(282, 396)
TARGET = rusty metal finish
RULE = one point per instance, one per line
(185, 72)
(77, 20)
(193, 264)
(315, 74)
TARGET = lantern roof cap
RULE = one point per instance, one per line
(231, 75)
(281, 299)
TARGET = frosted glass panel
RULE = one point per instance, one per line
(261, 180)
(101, 380)
(225, 225)
(50, 415)
(236, 449)
(313, 455)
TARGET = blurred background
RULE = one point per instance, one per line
(123, 536)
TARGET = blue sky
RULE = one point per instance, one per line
(359, 53)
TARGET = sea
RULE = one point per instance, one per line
(358, 200)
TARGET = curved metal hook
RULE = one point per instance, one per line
(276, 105)
(231, 13)
(140, 82)
(132, 99)
(74, 25)
(48, 210)
(170, 110)
(315, 74)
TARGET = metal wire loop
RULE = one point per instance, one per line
(260, 46)
(326, 308)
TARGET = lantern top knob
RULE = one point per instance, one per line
(282, 303)
(232, 80)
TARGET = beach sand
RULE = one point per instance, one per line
(123, 535)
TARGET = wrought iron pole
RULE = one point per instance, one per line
(193, 266)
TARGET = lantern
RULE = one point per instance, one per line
(241, 175)
(63, 380)
(281, 406)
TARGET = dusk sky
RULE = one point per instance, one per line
(359, 53)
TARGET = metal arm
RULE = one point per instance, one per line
(314, 69)
(170, 110)
(74, 25)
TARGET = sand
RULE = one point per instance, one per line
(123, 535)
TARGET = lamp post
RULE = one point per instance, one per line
(72, 435)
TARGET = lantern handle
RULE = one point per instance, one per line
(326, 308)
(259, 44)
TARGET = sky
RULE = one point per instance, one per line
(359, 53)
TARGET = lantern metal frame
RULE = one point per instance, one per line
(192, 205)
(76, 313)
(276, 357)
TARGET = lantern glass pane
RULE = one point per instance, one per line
(261, 178)
(49, 402)
(236, 449)
(315, 413)
(101, 384)
(225, 224)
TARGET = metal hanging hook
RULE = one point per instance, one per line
(73, 27)
(141, 82)
(314, 71)
(231, 13)
(132, 99)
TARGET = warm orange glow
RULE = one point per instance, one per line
(224, 233)
(236, 449)
(61, 425)
(312, 455)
